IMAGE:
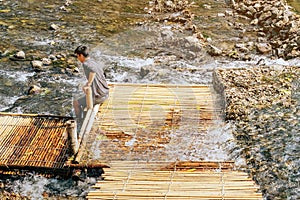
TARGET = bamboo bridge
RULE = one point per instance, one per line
(139, 137)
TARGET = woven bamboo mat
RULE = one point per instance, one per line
(138, 120)
(28, 140)
(149, 180)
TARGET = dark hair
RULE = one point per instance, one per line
(82, 50)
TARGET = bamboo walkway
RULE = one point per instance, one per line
(151, 180)
(146, 132)
(140, 121)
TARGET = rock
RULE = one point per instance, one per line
(200, 36)
(76, 70)
(214, 51)
(254, 22)
(230, 2)
(167, 34)
(261, 39)
(240, 45)
(5, 53)
(256, 98)
(192, 43)
(46, 61)
(34, 89)
(170, 4)
(63, 8)
(206, 6)
(209, 40)
(20, 55)
(228, 13)
(221, 14)
(258, 6)
(61, 56)
(144, 72)
(71, 68)
(274, 18)
(265, 16)
(54, 27)
(68, 2)
(261, 34)
(162, 73)
(243, 48)
(264, 48)
(52, 57)
(37, 64)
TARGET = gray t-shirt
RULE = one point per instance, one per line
(99, 85)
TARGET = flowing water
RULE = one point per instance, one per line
(133, 48)
(295, 4)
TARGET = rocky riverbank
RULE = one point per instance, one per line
(276, 26)
(263, 103)
(268, 28)
(273, 26)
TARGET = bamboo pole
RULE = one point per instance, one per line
(32, 115)
(72, 136)
(89, 98)
(158, 85)
(89, 122)
(84, 124)
(87, 165)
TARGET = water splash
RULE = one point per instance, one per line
(215, 144)
(36, 187)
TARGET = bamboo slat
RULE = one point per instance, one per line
(134, 180)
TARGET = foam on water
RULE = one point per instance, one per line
(131, 62)
(37, 187)
(6, 102)
(96, 150)
(259, 60)
(215, 144)
(21, 76)
(218, 142)
(31, 186)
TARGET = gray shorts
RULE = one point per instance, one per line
(96, 100)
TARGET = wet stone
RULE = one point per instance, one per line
(214, 51)
(20, 55)
(46, 61)
(37, 64)
(54, 27)
(264, 48)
